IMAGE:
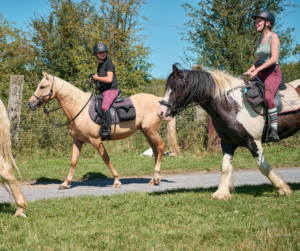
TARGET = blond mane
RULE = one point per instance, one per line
(223, 83)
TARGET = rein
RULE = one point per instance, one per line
(48, 103)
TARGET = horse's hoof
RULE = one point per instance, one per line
(62, 187)
(19, 212)
(219, 196)
(117, 185)
(157, 180)
(284, 192)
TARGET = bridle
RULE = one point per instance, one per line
(172, 106)
(48, 103)
(175, 110)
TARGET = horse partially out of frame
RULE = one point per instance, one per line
(7, 161)
(233, 118)
(83, 129)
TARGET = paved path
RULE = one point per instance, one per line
(96, 187)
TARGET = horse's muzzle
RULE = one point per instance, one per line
(32, 105)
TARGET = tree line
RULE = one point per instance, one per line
(221, 34)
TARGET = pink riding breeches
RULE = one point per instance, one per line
(272, 81)
(108, 98)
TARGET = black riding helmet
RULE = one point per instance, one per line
(265, 15)
(100, 47)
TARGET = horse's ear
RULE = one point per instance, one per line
(175, 69)
(44, 73)
(47, 76)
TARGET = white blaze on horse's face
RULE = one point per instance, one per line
(162, 110)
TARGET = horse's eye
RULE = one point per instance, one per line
(42, 87)
(174, 89)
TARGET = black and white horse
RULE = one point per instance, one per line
(233, 118)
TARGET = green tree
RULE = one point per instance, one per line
(15, 51)
(65, 38)
(223, 35)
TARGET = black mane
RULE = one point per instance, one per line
(199, 86)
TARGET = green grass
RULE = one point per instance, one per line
(255, 219)
(132, 164)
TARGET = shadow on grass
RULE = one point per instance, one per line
(8, 208)
(254, 190)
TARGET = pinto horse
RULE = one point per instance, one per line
(7, 161)
(83, 129)
(233, 118)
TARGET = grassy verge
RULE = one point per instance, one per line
(132, 164)
(255, 219)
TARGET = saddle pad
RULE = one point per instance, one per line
(290, 101)
(114, 115)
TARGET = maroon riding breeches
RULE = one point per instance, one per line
(272, 81)
(108, 98)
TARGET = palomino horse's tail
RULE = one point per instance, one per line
(5, 140)
(172, 138)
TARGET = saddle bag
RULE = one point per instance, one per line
(126, 112)
(253, 95)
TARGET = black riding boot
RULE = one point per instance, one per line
(105, 128)
(273, 135)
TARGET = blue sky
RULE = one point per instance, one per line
(165, 16)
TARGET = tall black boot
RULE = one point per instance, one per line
(106, 128)
(273, 135)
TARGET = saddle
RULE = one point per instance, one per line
(286, 98)
(122, 109)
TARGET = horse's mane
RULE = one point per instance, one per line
(71, 93)
(204, 84)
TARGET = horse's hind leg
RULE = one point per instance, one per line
(226, 183)
(7, 173)
(103, 153)
(77, 146)
(281, 187)
(158, 147)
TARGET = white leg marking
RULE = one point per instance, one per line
(281, 187)
(226, 183)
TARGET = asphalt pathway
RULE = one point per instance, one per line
(37, 191)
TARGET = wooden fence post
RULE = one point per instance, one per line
(15, 106)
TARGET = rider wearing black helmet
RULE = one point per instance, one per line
(108, 85)
(266, 66)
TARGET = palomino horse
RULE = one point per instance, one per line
(233, 118)
(6, 159)
(83, 129)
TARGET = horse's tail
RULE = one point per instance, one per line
(5, 139)
(172, 138)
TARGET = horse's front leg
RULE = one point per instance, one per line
(103, 153)
(282, 188)
(77, 146)
(226, 183)
(158, 147)
(7, 173)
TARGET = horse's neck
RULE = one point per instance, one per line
(69, 97)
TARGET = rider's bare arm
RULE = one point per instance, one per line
(108, 79)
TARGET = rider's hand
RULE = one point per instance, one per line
(246, 74)
(95, 77)
(253, 74)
